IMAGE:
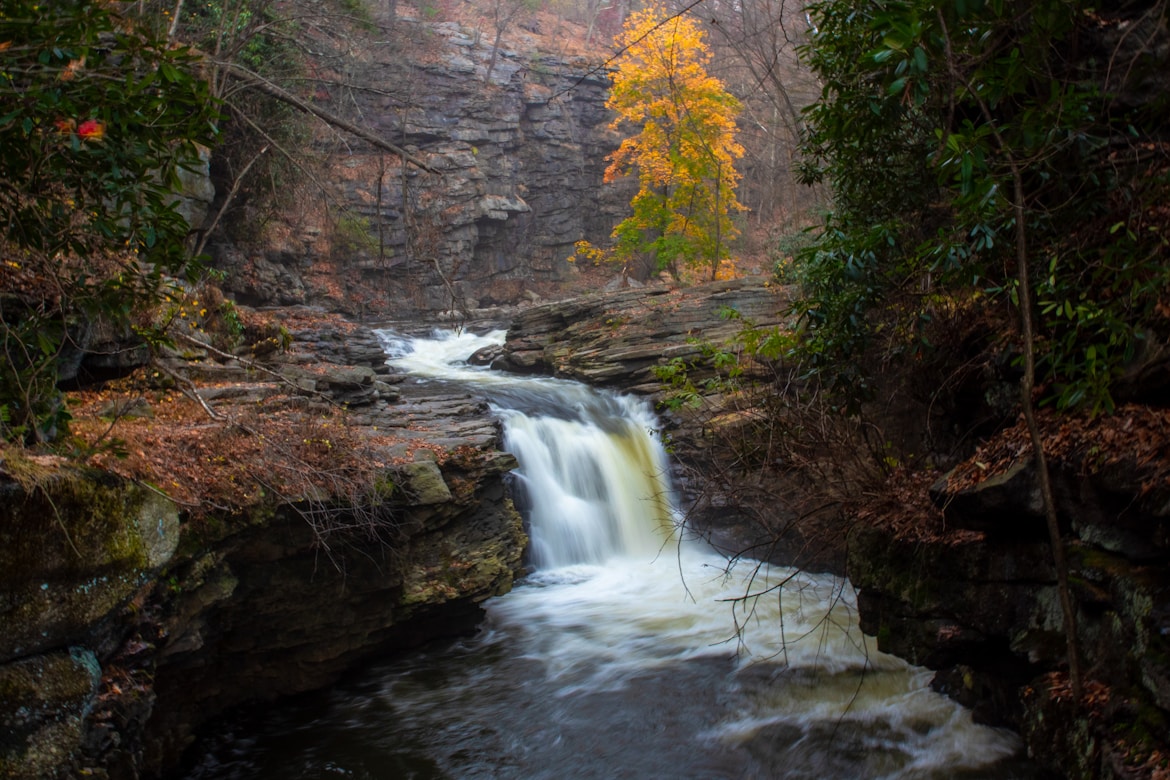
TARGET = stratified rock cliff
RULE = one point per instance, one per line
(126, 624)
(518, 160)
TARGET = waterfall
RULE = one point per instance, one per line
(593, 474)
(594, 494)
(626, 652)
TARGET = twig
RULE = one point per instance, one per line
(262, 84)
(251, 364)
(187, 388)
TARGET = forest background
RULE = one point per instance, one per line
(964, 196)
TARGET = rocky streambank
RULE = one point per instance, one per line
(127, 624)
(976, 599)
(131, 625)
(954, 573)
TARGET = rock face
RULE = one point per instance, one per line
(76, 545)
(518, 164)
(46, 700)
(125, 626)
(981, 606)
(268, 612)
(618, 339)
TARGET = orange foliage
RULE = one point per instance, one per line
(684, 149)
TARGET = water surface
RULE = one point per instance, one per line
(626, 653)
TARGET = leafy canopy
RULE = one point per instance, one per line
(683, 148)
(931, 114)
(98, 117)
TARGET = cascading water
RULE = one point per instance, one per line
(626, 653)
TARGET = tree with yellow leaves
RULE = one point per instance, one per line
(683, 149)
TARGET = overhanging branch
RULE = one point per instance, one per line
(258, 82)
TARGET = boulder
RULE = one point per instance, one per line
(618, 339)
(44, 701)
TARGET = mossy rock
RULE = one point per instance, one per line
(72, 549)
(423, 483)
(43, 703)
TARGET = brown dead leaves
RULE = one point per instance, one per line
(1134, 442)
(1135, 438)
(275, 448)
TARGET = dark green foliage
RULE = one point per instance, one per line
(926, 109)
(97, 117)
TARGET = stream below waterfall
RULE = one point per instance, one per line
(626, 653)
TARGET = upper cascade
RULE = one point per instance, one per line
(593, 474)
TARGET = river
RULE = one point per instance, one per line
(626, 652)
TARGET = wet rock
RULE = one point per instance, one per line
(485, 356)
(44, 701)
(617, 339)
(72, 551)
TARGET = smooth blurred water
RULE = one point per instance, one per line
(626, 653)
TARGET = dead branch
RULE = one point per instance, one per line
(258, 82)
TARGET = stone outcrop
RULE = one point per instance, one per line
(270, 611)
(981, 606)
(126, 625)
(617, 339)
(517, 161)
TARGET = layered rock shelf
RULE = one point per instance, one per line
(127, 626)
(618, 339)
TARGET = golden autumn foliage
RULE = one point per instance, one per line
(683, 147)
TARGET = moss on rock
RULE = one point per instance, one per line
(72, 548)
(43, 703)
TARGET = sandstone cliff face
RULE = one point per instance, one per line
(125, 626)
(518, 163)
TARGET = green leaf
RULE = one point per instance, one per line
(47, 345)
(920, 59)
(894, 43)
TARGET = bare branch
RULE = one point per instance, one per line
(258, 82)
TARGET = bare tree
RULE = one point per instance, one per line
(757, 42)
(503, 13)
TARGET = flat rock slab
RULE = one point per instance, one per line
(617, 339)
